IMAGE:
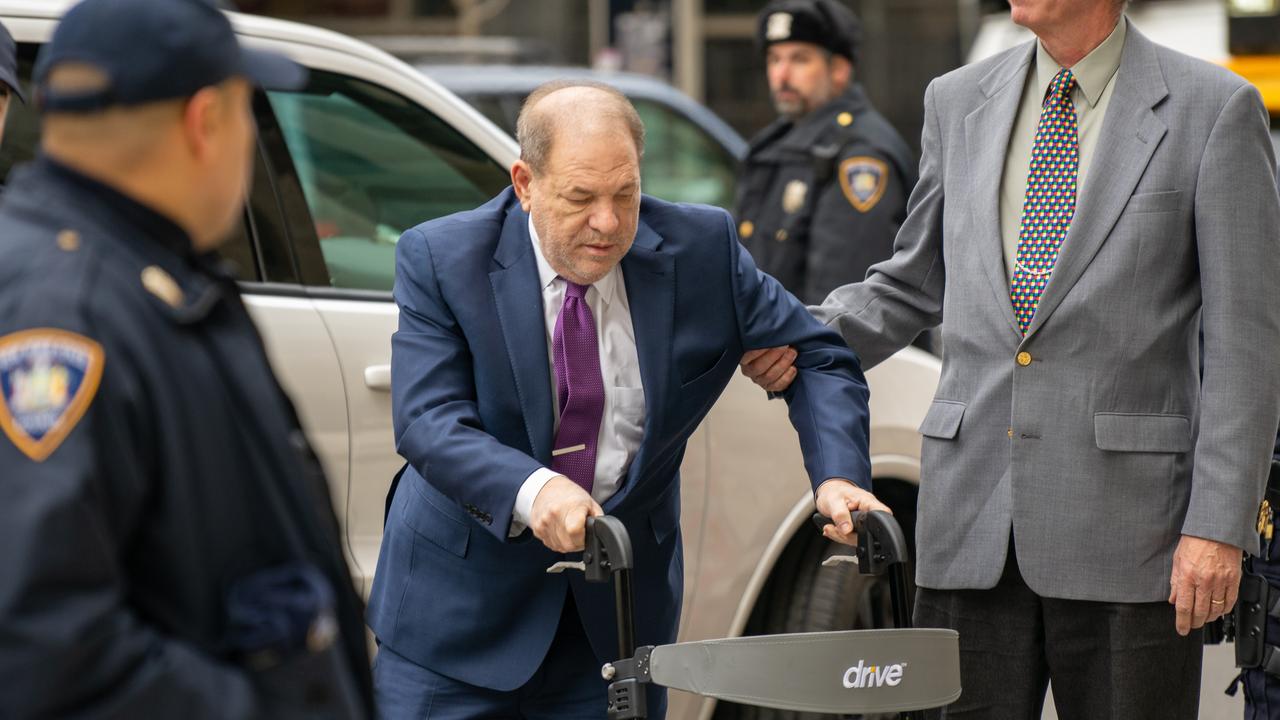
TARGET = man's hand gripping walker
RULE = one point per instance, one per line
(850, 671)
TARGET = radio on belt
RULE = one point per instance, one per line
(851, 671)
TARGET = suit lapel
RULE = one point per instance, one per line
(987, 132)
(1130, 134)
(519, 303)
(650, 279)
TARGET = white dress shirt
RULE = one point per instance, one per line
(622, 424)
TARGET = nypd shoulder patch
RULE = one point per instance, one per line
(48, 378)
(863, 180)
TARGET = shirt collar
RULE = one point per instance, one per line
(605, 286)
(1093, 72)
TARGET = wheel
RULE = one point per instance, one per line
(803, 596)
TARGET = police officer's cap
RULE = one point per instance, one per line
(151, 50)
(825, 23)
(9, 63)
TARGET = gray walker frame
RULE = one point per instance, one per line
(900, 669)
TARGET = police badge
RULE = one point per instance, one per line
(863, 180)
(778, 27)
(793, 196)
(48, 378)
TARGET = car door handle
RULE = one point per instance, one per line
(378, 377)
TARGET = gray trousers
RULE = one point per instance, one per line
(1105, 660)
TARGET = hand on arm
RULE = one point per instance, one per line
(837, 498)
(771, 368)
(1204, 582)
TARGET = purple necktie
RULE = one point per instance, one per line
(580, 387)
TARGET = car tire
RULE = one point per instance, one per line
(802, 596)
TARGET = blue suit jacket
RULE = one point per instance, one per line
(473, 415)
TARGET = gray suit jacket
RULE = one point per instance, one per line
(1107, 447)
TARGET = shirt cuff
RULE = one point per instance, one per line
(523, 509)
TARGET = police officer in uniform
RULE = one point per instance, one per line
(167, 546)
(825, 186)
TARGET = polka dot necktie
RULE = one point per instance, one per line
(579, 387)
(1050, 201)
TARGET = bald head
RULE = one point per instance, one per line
(573, 108)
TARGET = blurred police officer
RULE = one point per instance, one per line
(168, 550)
(9, 87)
(825, 186)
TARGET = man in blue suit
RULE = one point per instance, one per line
(557, 347)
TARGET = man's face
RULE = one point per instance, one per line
(586, 203)
(801, 78)
(232, 162)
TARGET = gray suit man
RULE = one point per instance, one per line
(1071, 423)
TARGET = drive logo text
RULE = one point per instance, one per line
(869, 676)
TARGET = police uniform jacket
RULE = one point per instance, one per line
(822, 198)
(150, 463)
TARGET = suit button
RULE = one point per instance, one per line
(69, 240)
(1024, 358)
(746, 229)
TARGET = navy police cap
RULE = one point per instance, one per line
(151, 50)
(9, 62)
(825, 23)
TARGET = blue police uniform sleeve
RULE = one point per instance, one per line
(72, 643)
(827, 402)
(436, 418)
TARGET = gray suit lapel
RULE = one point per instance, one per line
(986, 132)
(1130, 135)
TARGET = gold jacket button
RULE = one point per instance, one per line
(1024, 358)
(69, 240)
(746, 229)
(844, 119)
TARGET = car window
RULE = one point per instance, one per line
(22, 141)
(498, 109)
(373, 164)
(682, 162)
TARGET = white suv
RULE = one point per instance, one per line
(369, 148)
